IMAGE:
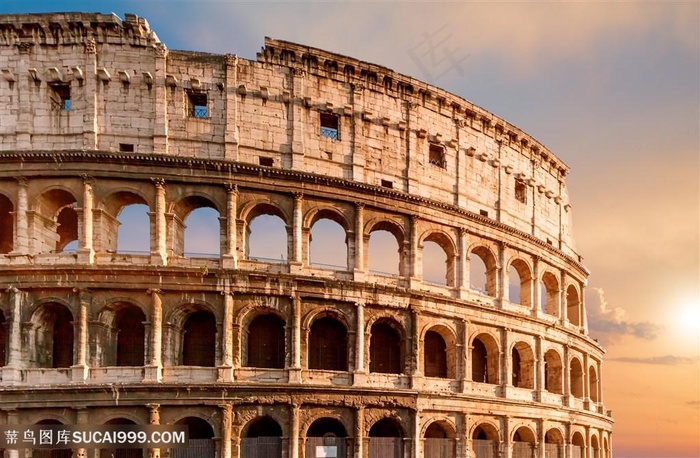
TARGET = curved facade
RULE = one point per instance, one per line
(281, 355)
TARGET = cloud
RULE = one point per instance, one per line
(609, 325)
(693, 404)
(667, 360)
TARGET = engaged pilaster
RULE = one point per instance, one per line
(154, 370)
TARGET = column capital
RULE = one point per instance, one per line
(12, 289)
(22, 181)
(151, 291)
(359, 205)
(298, 196)
(158, 182)
(87, 179)
(231, 188)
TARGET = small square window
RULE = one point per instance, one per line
(60, 97)
(126, 147)
(330, 126)
(266, 161)
(520, 191)
(197, 105)
(484, 213)
(387, 184)
(436, 156)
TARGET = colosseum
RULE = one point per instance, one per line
(286, 356)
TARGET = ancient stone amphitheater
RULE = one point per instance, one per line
(285, 357)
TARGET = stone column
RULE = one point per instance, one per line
(294, 439)
(27, 113)
(359, 432)
(539, 368)
(154, 370)
(295, 369)
(417, 448)
(159, 255)
(566, 376)
(466, 370)
(416, 359)
(506, 362)
(226, 421)
(231, 130)
(86, 253)
(465, 439)
(502, 276)
(21, 235)
(83, 418)
(586, 382)
(92, 110)
(463, 260)
(160, 125)
(230, 255)
(583, 319)
(359, 375)
(153, 420)
(359, 241)
(297, 242)
(540, 439)
(12, 419)
(11, 374)
(563, 305)
(536, 290)
(507, 444)
(80, 370)
(297, 119)
(414, 261)
(226, 369)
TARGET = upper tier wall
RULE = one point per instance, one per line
(91, 81)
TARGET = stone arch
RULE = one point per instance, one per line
(326, 257)
(262, 426)
(262, 436)
(520, 282)
(193, 334)
(399, 235)
(576, 378)
(387, 353)
(554, 436)
(265, 341)
(578, 444)
(52, 453)
(201, 438)
(593, 383)
(53, 220)
(447, 244)
(328, 342)
(442, 365)
(553, 372)
(386, 427)
(52, 335)
(7, 224)
(524, 442)
(595, 446)
(326, 425)
(109, 225)
(485, 358)
(182, 241)
(122, 338)
(121, 452)
(573, 305)
(281, 242)
(549, 286)
(490, 274)
(523, 365)
(485, 438)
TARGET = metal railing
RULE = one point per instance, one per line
(261, 447)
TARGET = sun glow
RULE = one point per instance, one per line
(688, 316)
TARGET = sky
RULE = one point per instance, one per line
(613, 89)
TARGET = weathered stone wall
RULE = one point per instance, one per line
(100, 115)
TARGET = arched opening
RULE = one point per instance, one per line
(484, 355)
(53, 453)
(67, 230)
(384, 256)
(328, 244)
(266, 342)
(523, 365)
(262, 437)
(438, 258)
(267, 239)
(606, 448)
(439, 441)
(434, 355)
(595, 447)
(7, 225)
(576, 379)
(523, 443)
(573, 306)
(121, 452)
(328, 345)
(552, 372)
(577, 445)
(549, 294)
(330, 436)
(55, 224)
(553, 444)
(519, 280)
(385, 355)
(202, 233)
(134, 230)
(482, 271)
(53, 336)
(199, 340)
(201, 439)
(3, 339)
(485, 440)
(385, 439)
(130, 336)
(593, 384)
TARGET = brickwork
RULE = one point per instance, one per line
(99, 115)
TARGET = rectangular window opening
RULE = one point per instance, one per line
(484, 213)
(330, 126)
(126, 147)
(388, 184)
(266, 161)
(60, 97)
(197, 106)
(520, 191)
(436, 156)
